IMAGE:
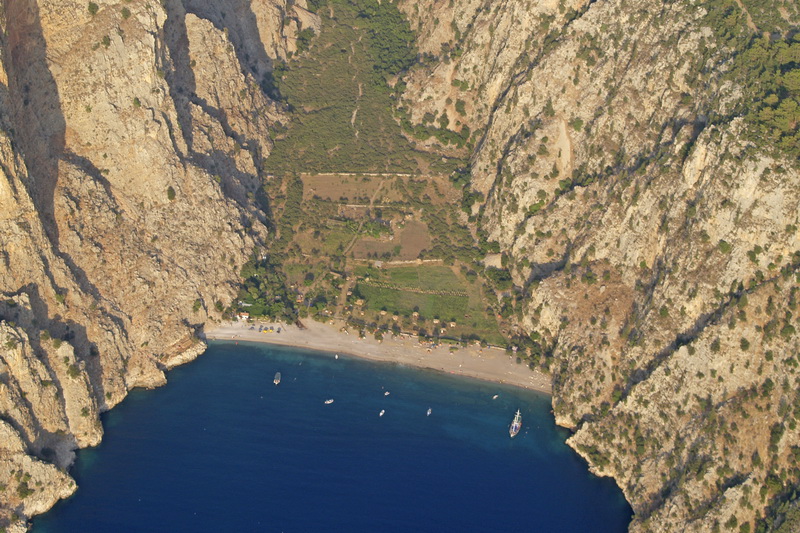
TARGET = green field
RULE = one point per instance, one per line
(468, 311)
(405, 302)
(439, 278)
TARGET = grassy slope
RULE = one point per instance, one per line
(342, 105)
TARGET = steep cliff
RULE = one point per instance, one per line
(650, 229)
(635, 162)
(131, 140)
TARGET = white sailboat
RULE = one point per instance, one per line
(516, 425)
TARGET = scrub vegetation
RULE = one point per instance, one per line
(763, 48)
(371, 227)
(340, 99)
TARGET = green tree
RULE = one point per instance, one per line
(791, 81)
(393, 41)
(304, 38)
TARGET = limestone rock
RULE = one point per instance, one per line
(655, 250)
(29, 485)
(131, 142)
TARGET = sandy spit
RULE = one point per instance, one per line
(488, 364)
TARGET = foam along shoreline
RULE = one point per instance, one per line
(488, 364)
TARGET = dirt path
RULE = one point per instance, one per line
(750, 23)
(564, 147)
(347, 287)
(353, 121)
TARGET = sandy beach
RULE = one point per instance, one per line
(489, 364)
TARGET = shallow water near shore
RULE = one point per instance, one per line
(221, 448)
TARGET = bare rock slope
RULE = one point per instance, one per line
(652, 236)
(131, 141)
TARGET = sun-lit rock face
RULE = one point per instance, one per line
(131, 136)
(654, 246)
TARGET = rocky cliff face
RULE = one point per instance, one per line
(131, 139)
(655, 249)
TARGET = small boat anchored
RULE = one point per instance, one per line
(429, 412)
(386, 393)
(516, 425)
(277, 378)
(329, 401)
(381, 413)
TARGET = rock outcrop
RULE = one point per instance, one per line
(655, 249)
(131, 141)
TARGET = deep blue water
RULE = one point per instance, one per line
(223, 449)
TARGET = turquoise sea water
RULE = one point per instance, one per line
(221, 448)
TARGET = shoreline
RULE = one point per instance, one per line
(486, 364)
